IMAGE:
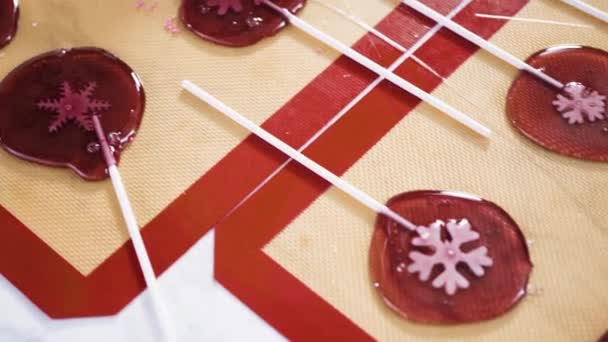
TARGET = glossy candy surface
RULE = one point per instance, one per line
(47, 103)
(498, 290)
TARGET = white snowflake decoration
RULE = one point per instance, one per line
(448, 254)
(578, 102)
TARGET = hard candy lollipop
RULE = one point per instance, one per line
(234, 22)
(78, 108)
(463, 260)
(574, 121)
(48, 104)
(567, 116)
(225, 22)
(9, 15)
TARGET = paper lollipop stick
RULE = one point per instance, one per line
(482, 43)
(585, 7)
(313, 166)
(131, 222)
(358, 21)
(410, 54)
(380, 70)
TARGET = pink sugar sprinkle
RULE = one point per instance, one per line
(139, 4)
(171, 26)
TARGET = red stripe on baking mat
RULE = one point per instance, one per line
(241, 265)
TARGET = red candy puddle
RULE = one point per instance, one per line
(47, 103)
(9, 15)
(243, 23)
(531, 110)
(499, 289)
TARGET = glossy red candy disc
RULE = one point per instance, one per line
(499, 289)
(235, 22)
(47, 103)
(531, 108)
(9, 15)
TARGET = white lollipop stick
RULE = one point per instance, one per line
(482, 43)
(313, 166)
(585, 7)
(134, 233)
(531, 20)
(380, 70)
(358, 21)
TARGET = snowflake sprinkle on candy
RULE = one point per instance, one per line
(579, 102)
(448, 254)
(225, 5)
(76, 106)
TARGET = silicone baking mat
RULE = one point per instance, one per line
(295, 252)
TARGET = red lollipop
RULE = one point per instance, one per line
(235, 22)
(467, 262)
(573, 122)
(9, 15)
(78, 108)
(48, 104)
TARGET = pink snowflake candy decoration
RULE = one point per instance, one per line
(77, 106)
(448, 254)
(577, 103)
(225, 5)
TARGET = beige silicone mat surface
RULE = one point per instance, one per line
(560, 203)
(180, 138)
